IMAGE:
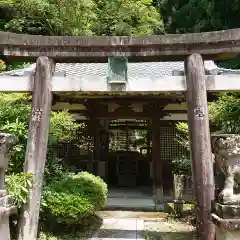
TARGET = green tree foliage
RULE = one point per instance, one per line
(182, 164)
(14, 115)
(127, 17)
(80, 17)
(182, 134)
(181, 16)
(225, 113)
(187, 16)
(18, 185)
(63, 127)
(50, 17)
(14, 119)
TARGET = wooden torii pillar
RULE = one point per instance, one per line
(201, 155)
(36, 151)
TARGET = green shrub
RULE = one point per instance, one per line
(74, 197)
(44, 236)
(182, 166)
(55, 169)
(18, 185)
(182, 136)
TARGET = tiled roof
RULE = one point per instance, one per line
(141, 69)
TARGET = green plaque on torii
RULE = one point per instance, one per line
(117, 69)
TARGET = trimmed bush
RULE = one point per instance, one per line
(74, 197)
(182, 165)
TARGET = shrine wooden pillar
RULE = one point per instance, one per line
(90, 164)
(127, 136)
(148, 140)
(201, 155)
(157, 164)
(37, 143)
(97, 145)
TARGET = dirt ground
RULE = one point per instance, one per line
(168, 230)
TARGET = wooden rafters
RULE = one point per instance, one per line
(123, 109)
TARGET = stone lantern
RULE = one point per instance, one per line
(226, 208)
(7, 141)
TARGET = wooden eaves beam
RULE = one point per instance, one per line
(98, 85)
(127, 114)
(86, 112)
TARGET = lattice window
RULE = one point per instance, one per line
(170, 148)
(120, 140)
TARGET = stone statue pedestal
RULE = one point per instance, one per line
(227, 221)
(6, 209)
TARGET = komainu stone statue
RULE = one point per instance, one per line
(226, 207)
(7, 142)
(226, 149)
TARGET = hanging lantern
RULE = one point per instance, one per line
(3, 63)
(137, 107)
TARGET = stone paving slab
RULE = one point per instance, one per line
(120, 229)
(122, 224)
(133, 215)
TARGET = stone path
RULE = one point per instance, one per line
(137, 225)
(133, 215)
(114, 229)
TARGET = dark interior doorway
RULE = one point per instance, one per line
(129, 159)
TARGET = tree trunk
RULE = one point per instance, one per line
(35, 157)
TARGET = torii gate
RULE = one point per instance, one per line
(192, 48)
